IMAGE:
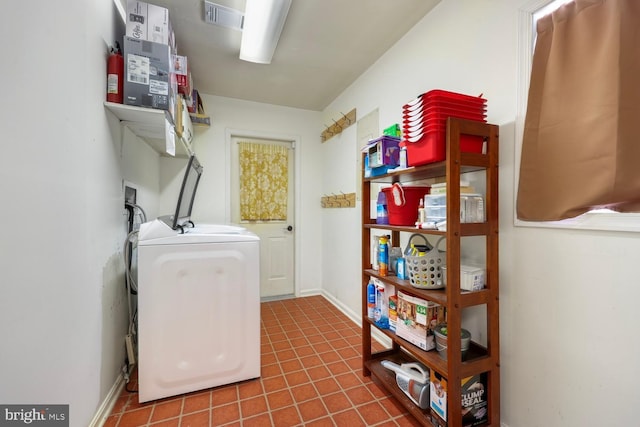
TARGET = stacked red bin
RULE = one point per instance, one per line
(424, 122)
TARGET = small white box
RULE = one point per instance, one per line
(158, 25)
(471, 277)
(147, 22)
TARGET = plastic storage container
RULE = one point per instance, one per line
(471, 277)
(424, 122)
(403, 202)
(471, 207)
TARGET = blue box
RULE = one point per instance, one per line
(381, 170)
(401, 271)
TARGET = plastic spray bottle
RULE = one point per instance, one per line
(381, 311)
(383, 256)
(371, 299)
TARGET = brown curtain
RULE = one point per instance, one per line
(581, 145)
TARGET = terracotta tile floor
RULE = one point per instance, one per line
(311, 375)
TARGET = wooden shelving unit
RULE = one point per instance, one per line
(479, 359)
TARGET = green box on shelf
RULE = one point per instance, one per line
(393, 130)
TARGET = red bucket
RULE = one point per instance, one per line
(403, 203)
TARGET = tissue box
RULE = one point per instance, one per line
(471, 277)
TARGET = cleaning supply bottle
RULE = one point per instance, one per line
(383, 256)
(382, 214)
(381, 311)
(402, 157)
(371, 299)
(422, 218)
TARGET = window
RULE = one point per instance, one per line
(596, 219)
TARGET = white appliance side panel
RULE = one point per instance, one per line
(199, 317)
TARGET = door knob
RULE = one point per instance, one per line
(289, 228)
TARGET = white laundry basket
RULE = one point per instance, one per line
(425, 272)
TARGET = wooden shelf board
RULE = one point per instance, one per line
(476, 360)
(387, 379)
(439, 296)
(466, 229)
(432, 170)
(149, 125)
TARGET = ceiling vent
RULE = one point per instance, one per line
(221, 15)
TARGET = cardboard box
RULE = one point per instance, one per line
(200, 119)
(384, 151)
(473, 398)
(417, 318)
(147, 21)
(195, 104)
(183, 76)
(393, 312)
(147, 81)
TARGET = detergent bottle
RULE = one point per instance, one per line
(382, 213)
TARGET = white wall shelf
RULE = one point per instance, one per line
(149, 125)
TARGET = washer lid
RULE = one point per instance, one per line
(159, 233)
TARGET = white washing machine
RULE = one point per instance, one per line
(198, 308)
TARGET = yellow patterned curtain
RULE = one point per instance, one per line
(263, 182)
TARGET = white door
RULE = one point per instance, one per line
(276, 235)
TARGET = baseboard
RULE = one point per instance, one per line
(356, 318)
(108, 403)
(310, 292)
(343, 308)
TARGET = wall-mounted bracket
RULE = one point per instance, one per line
(339, 201)
(338, 126)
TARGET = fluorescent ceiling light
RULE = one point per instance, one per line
(263, 22)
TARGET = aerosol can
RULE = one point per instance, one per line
(413, 380)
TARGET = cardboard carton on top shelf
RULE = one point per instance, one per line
(147, 21)
(147, 81)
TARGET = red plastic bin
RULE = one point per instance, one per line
(405, 212)
(446, 96)
(432, 146)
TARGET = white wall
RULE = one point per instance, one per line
(569, 338)
(65, 161)
(341, 243)
(62, 305)
(568, 298)
(211, 147)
